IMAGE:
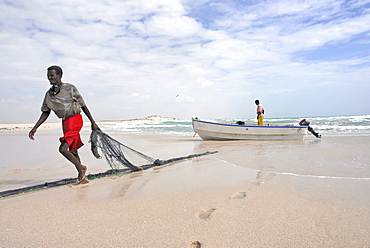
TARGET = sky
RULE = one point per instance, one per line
(194, 58)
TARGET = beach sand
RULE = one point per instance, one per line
(246, 195)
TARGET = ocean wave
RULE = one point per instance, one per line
(329, 125)
(321, 177)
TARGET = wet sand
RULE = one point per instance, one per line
(247, 195)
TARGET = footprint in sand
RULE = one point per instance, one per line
(262, 178)
(204, 214)
(265, 175)
(239, 195)
(195, 244)
(257, 182)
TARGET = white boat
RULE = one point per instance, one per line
(229, 131)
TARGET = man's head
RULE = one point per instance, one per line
(55, 74)
(57, 69)
(257, 102)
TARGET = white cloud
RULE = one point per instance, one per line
(174, 26)
(30, 97)
(138, 96)
(320, 34)
(134, 95)
(137, 56)
(181, 98)
(10, 101)
(204, 82)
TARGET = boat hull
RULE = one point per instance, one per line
(226, 131)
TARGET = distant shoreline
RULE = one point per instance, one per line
(54, 126)
(149, 118)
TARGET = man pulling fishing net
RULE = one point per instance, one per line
(66, 102)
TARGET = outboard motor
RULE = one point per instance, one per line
(307, 123)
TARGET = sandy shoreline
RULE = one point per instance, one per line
(27, 126)
(229, 199)
(129, 212)
(53, 126)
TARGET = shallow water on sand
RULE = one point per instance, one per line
(26, 162)
(340, 165)
(331, 157)
(338, 160)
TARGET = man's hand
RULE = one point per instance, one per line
(31, 134)
(94, 126)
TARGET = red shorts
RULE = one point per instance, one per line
(71, 129)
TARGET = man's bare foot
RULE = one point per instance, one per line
(82, 181)
(82, 173)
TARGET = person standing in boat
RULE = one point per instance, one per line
(260, 113)
(66, 102)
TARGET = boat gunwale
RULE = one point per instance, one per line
(255, 126)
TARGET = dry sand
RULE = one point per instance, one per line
(204, 201)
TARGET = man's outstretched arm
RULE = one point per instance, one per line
(86, 110)
(44, 116)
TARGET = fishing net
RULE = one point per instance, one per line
(120, 156)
